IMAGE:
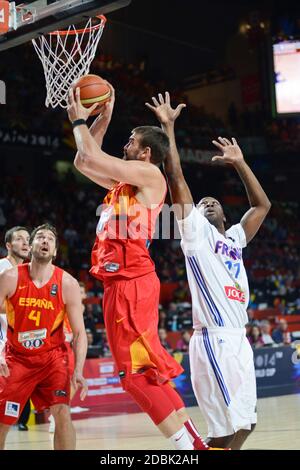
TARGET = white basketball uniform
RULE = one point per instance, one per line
(221, 358)
(4, 265)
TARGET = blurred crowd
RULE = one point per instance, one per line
(135, 84)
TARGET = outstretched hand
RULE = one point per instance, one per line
(232, 153)
(163, 110)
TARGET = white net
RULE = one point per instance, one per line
(66, 56)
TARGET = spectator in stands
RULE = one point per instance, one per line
(183, 343)
(265, 328)
(94, 350)
(181, 293)
(89, 320)
(255, 338)
(281, 335)
(105, 350)
(162, 334)
(173, 315)
(90, 337)
(248, 327)
(251, 317)
(162, 318)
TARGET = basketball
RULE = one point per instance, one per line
(93, 89)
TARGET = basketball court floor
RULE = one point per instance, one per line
(278, 428)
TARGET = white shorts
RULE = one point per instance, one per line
(223, 379)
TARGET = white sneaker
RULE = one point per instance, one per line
(51, 424)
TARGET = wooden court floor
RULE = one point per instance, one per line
(278, 427)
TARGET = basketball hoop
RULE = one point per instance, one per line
(66, 56)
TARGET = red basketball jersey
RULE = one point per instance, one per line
(35, 315)
(124, 233)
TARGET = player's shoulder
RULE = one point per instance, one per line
(5, 264)
(9, 280)
(10, 272)
(68, 280)
(237, 234)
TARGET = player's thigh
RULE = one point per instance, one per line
(54, 385)
(15, 390)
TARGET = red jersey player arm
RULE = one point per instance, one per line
(93, 160)
(72, 300)
(98, 130)
(180, 192)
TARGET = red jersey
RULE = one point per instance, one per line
(35, 315)
(124, 233)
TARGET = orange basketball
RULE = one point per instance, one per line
(93, 89)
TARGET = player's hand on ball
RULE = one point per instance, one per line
(163, 110)
(75, 109)
(232, 153)
(107, 108)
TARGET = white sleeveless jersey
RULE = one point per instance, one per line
(215, 271)
(4, 264)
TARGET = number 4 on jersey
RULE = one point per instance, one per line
(35, 315)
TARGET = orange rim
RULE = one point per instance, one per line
(72, 32)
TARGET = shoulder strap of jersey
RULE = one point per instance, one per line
(23, 274)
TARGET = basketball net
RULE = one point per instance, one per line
(66, 56)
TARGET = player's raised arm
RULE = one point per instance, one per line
(98, 130)
(72, 299)
(180, 192)
(92, 160)
(258, 200)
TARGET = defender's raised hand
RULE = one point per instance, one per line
(232, 153)
(163, 110)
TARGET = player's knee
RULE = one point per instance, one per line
(221, 442)
(4, 428)
(246, 432)
(135, 386)
(60, 412)
(253, 426)
(150, 397)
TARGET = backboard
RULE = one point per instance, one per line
(21, 22)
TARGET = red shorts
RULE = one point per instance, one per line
(131, 319)
(71, 358)
(44, 378)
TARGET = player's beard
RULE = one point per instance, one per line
(42, 259)
(130, 157)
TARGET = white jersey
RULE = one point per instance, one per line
(4, 265)
(215, 271)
